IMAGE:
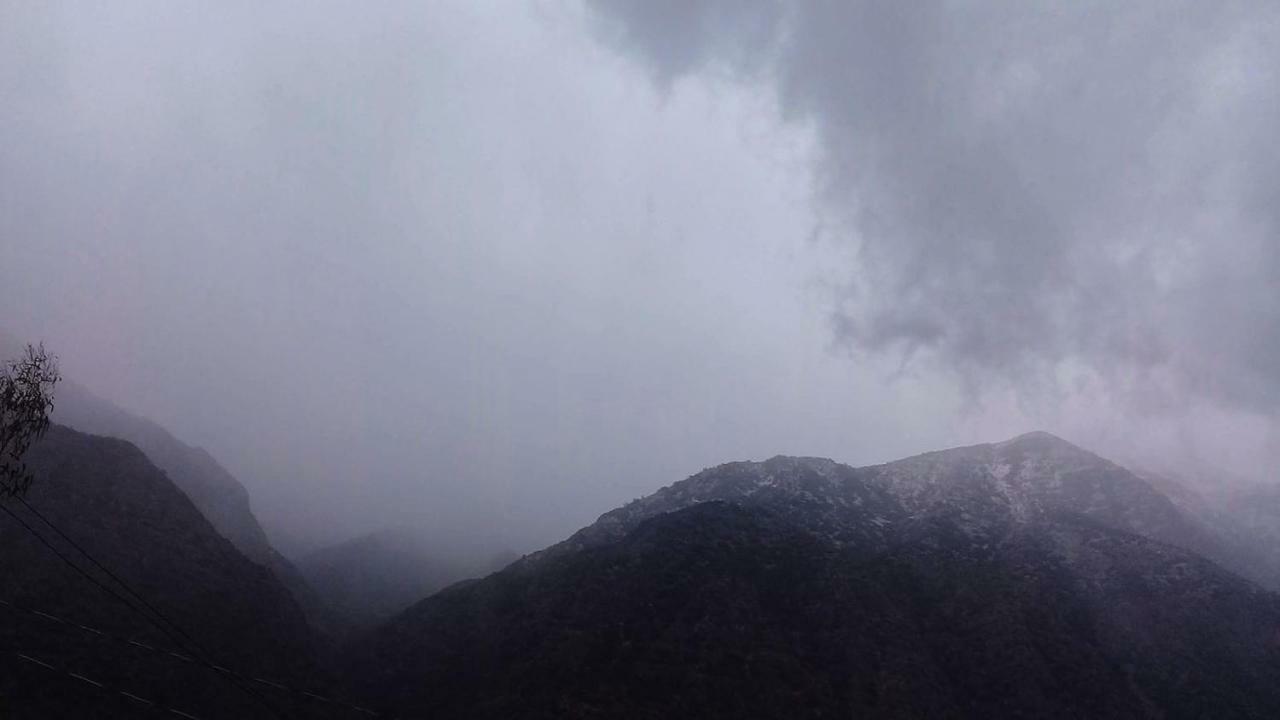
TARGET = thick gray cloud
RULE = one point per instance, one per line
(1037, 192)
(456, 266)
(464, 267)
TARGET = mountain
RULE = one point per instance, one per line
(215, 492)
(110, 499)
(219, 496)
(1020, 579)
(1244, 513)
(818, 494)
(370, 578)
(1034, 475)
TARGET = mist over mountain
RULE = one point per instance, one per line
(1027, 577)
(1245, 514)
(370, 578)
(1024, 578)
(219, 497)
(109, 498)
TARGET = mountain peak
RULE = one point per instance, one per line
(1042, 562)
(825, 467)
(1029, 477)
(803, 460)
(1043, 441)
(1035, 436)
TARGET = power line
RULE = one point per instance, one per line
(230, 678)
(160, 625)
(62, 557)
(178, 629)
(102, 686)
(167, 654)
(108, 572)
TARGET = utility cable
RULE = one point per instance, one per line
(163, 653)
(233, 680)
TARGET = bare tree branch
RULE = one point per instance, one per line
(26, 399)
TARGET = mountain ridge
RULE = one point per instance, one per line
(111, 499)
(999, 476)
(221, 498)
(1005, 579)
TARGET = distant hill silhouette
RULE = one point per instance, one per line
(372, 577)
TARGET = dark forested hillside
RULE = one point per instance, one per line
(219, 496)
(109, 498)
(801, 588)
(1021, 579)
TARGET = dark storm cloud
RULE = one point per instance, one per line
(1036, 191)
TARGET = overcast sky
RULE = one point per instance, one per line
(495, 268)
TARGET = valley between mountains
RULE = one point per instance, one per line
(1026, 578)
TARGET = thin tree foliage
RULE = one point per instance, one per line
(26, 400)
